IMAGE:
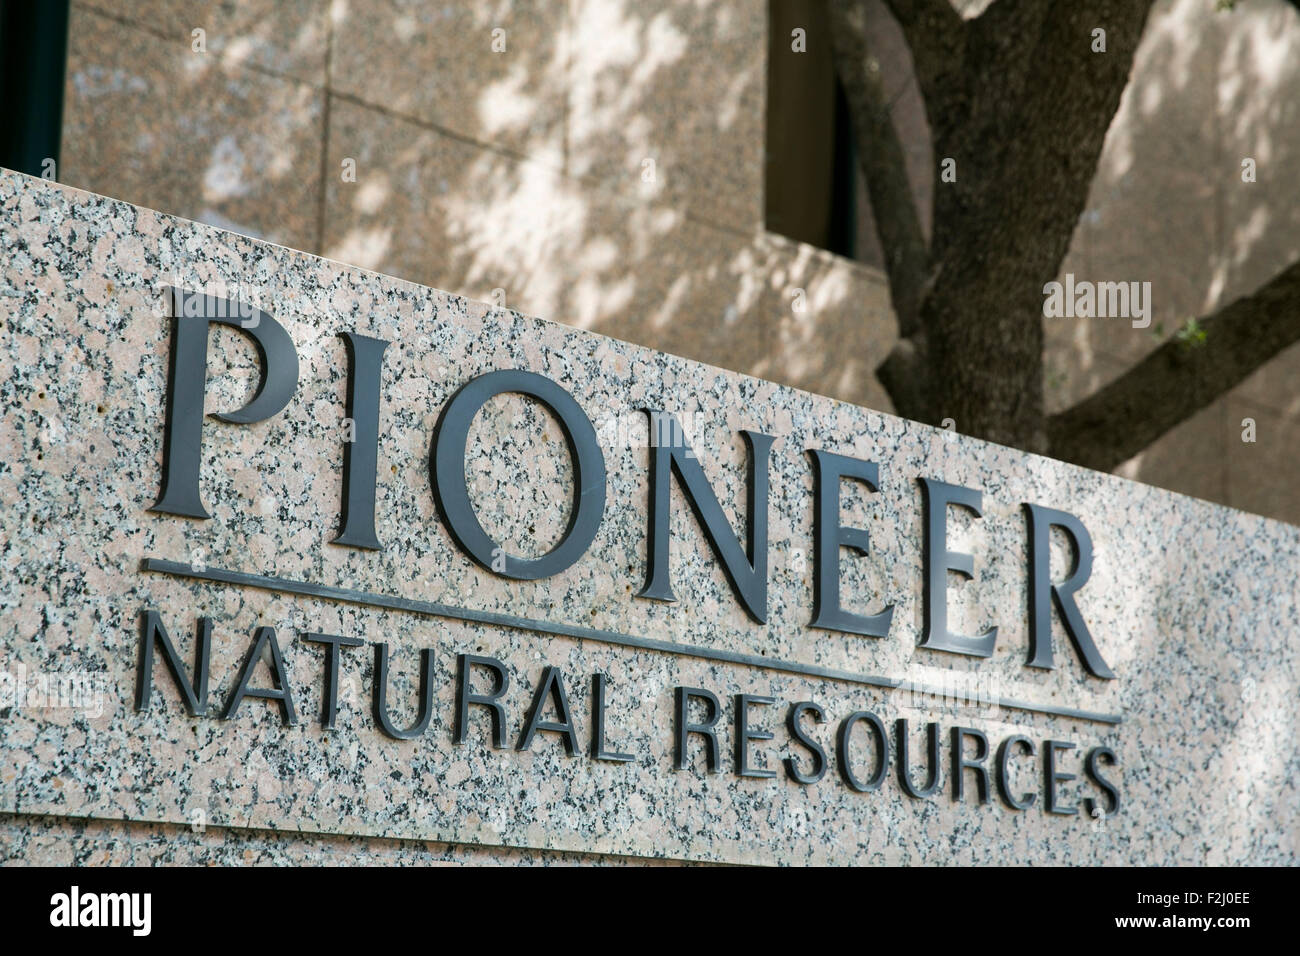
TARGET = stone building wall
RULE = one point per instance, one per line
(603, 167)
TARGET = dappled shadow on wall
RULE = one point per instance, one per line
(1209, 107)
(641, 219)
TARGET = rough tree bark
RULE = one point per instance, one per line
(1020, 101)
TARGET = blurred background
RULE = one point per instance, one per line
(675, 174)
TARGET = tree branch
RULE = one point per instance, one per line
(910, 13)
(880, 154)
(935, 34)
(1179, 378)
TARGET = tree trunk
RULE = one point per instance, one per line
(1019, 101)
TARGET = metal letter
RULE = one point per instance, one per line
(904, 775)
(1026, 800)
(746, 571)
(1051, 776)
(551, 685)
(829, 536)
(151, 630)
(192, 312)
(683, 727)
(745, 733)
(1041, 520)
(936, 496)
(960, 763)
(452, 495)
(490, 700)
(361, 454)
(381, 695)
(842, 751)
(792, 724)
(330, 705)
(1095, 755)
(264, 638)
(598, 751)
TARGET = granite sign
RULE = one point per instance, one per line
(351, 556)
(670, 455)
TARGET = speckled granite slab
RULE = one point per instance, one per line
(1194, 606)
